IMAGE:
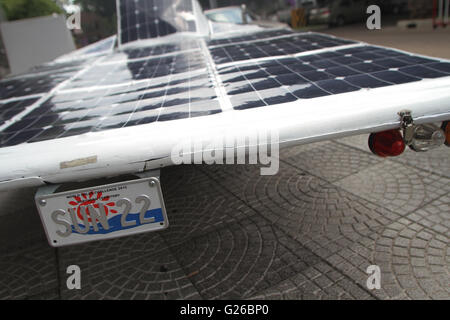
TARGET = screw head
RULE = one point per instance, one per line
(42, 202)
(152, 183)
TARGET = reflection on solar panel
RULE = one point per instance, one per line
(41, 80)
(295, 43)
(289, 79)
(13, 108)
(182, 80)
(260, 36)
(146, 19)
(170, 87)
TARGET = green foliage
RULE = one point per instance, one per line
(22, 9)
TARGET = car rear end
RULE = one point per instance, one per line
(321, 13)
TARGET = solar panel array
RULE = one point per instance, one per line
(283, 80)
(294, 44)
(147, 19)
(179, 81)
(40, 80)
(173, 85)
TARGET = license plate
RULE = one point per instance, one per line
(103, 212)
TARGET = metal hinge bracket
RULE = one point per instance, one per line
(407, 123)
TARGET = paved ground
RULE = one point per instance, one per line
(309, 232)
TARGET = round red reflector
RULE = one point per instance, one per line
(387, 143)
(446, 128)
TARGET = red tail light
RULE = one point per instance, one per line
(446, 128)
(387, 143)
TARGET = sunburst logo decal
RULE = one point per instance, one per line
(82, 202)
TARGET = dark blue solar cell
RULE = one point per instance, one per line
(277, 69)
(256, 75)
(300, 67)
(389, 63)
(342, 71)
(310, 58)
(76, 131)
(347, 60)
(49, 134)
(367, 55)
(22, 136)
(324, 64)
(316, 75)
(415, 59)
(440, 66)
(367, 67)
(265, 84)
(144, 19)
(336, 86)
(366, 81)
(290, 79)
(329, 55)
(394, 77)
(423, 72)
(310, 91)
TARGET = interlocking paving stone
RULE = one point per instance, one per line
(435, 215)
(320, 282)
(28, 272)
(436, 161)
(20, 225)
(309, 232)
(195, 213)
(184, 181)
(414, 261)
(147, 273)
(27, 262)
(360, 142)
(321, 216)
(241, 259)
(201, 213)
(329, 161)
(95, 257)
(397, 187)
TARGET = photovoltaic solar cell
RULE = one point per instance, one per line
(297, 43)
(144, 69)
(147, 19)
(13, 108)
(290, 79)
(172, 90)
(172, 81)
(42, 81)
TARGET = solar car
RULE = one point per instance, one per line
(91, 130)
